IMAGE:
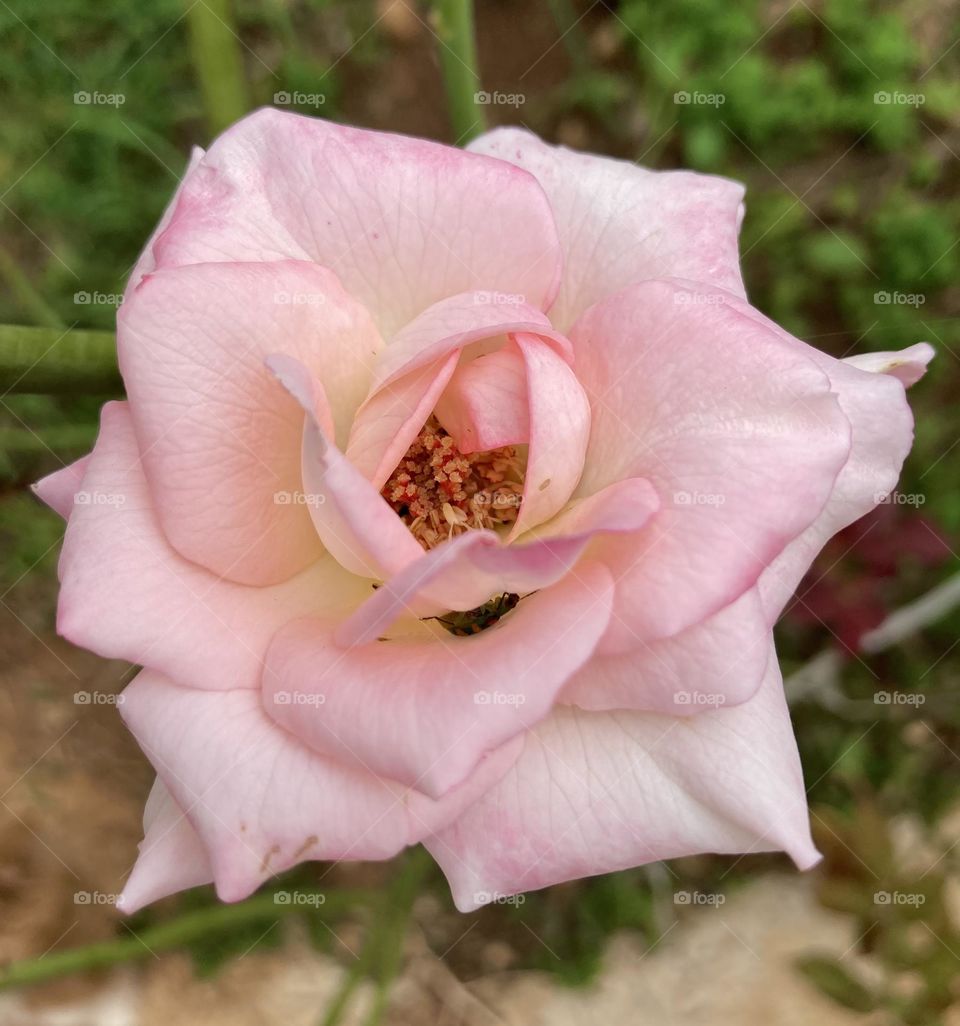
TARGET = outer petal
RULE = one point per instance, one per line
(220, 440)
(403, 222)
(736, 429)
(172, 857)
(146, 263)
(620, 223)
(424, 712)
(59, 489)
(870, 390)
(907, 366)
(719, 662)
(599, 792)
(126, 594)
(261, 802)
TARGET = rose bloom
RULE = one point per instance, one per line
(453, 501)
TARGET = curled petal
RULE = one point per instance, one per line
(59, 489)
(425, 711)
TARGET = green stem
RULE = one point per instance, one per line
(173, 934)
(218, 62)
(458, 60)
(382, 950)
(47, 360)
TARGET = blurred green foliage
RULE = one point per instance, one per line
(843, 119)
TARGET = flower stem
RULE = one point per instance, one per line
(458, 61)
(173, 934)
(50, 360)
(218, 63)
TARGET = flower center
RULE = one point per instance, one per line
(440, 492)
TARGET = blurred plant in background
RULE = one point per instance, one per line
(843, 119)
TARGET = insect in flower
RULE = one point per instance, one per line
(473, 621)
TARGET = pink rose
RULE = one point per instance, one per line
(453, 500)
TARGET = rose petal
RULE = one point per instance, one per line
(220, 440)
(352, 519)
(735, 428)
(425, 711)
(261, 802)
(402, 222)
(601, 792)
(620, 223)
(126, 594)
(172, 857)
(59, 489)
(718, 662)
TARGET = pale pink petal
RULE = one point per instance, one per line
(454, 323)
(403, 222)
(126, 594)
(736, 429)
(261, 802)
(220, 439)
(718, 662)
(600, 792)
(352, 519)
(59, 489)
(620, 223)
(907, 366)
(559, 413)
(172, 857)
(882, 423)
(484, 406)
(466, 571)
(425, 711)
(392, 417)
(145, 262)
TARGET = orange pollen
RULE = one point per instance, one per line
(439, 492)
